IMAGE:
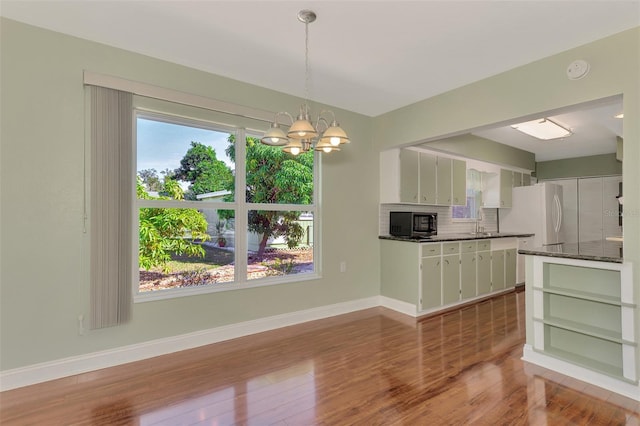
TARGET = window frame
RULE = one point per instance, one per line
(477, 193)
(174, 113)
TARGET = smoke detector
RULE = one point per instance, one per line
(577, 69)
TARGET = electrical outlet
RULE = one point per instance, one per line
(343, 266)
(80, 324)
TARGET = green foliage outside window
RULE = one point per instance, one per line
(275, 177)
(167, 231)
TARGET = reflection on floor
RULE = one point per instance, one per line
(373, 367)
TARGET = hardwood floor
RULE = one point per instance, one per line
(373, 367)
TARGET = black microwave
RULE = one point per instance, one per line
(410, 224)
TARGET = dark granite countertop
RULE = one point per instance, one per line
(601, 251)
(456, 237)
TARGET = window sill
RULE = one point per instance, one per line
(152, 296)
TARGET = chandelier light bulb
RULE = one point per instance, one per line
(295, 150)
(327, 149)
(335, 141)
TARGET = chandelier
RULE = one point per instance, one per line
(325, 135)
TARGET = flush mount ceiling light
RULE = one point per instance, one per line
(542, 128)
(303, 135)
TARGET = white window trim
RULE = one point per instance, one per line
(241, 208)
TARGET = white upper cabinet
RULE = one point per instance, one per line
(419, 177)
(498, 186)
(443, 196)
(428, 164)
(459, 183)
(409, 176)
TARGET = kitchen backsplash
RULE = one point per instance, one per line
(445, 225)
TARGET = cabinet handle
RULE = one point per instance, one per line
(481, 258)
(438, 264)
(446, 261)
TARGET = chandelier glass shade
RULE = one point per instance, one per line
(303, 135)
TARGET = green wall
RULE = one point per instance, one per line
(44, 276)
(485, 150)
(594, 165)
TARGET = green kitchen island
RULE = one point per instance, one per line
(582, 314)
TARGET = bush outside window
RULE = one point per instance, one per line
(187, 207)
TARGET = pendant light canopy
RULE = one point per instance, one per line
(325, 135)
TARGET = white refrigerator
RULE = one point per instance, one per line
(537, 209)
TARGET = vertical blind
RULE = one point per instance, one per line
(111, 204)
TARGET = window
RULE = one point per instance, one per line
(473, 209)
(196, 232)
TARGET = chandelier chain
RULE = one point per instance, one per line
(306, 64)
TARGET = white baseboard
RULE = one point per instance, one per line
(584, 374)
(37, 373)
(399, 306)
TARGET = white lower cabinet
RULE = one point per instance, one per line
(497, 270)
(484, 272)
(523, 243)
(504, 255)
(468, 269)
(448, 273)
(450, 279)
(510, 266)
(431, 282)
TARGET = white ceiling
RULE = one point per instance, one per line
(594, 131)
(369, 57)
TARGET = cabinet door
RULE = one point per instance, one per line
(510, 257)
(450, 279)
(431, 282)
(459, 183)
(428, 165)
(444, 181)
(517, 179)
(484, 272)
(506, 185)
(523, 243)
(468, 275)
(497, 270)
(409, 169)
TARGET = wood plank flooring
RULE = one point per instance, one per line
(373, 367)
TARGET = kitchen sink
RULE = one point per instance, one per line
(483, 234)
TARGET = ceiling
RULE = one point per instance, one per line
(594, 130)
(369, 57)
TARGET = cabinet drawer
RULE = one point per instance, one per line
(484, 245)
(430, 250)
(468, 246)
(450, 248)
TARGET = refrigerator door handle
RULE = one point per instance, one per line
(559, 215)
(558, 211)
(555, 209)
